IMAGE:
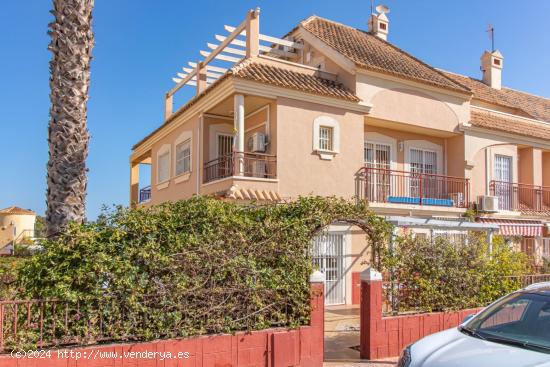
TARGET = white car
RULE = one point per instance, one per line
(512, 332)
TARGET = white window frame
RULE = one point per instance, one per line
(423, 145)
(163, 150)
(377, 138)
(329, 122)
(184, 138)
(511, 168)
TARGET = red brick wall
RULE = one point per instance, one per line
(302, 347)
(356, 287)
(383, 337)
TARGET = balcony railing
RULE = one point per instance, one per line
(401, 187)
(521, 197)
(145, 194)
(241, 164)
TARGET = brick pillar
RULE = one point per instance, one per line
(370, 311)
(317, 282)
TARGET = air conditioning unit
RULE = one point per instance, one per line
(257, 143)
(488, 204)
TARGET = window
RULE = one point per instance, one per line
(163, 170)
(503, 168)
(423, 161)
(183, 157)
(325, 138)
(377, 155)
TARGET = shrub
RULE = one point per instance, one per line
(440, 275)
(186, 268)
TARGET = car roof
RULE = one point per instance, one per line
(538, 288)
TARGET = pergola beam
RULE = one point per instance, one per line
(229, 50)
(209, 67)
(219, 56)
(263, 37)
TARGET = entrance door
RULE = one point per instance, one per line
(328, 256)
(503, 184)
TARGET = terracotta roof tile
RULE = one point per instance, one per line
(15, 210)
(280, 77)
(495, 121)
(272, 75)
(533, 106)
(371, 52)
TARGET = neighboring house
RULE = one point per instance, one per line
(334, 110)
(16, 225)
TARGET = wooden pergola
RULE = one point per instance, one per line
(243, 41)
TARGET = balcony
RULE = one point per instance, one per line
(526, 198)
(241, 164)
(145, 194)
(401, 187)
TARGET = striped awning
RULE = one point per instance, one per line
(516, 227)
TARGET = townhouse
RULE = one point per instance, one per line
(333, 110)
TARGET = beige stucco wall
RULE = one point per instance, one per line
(11, 226)
(530, 166)
(546, 168)
(478, 173)
(301, 170)
(175, 190)
(411, 104)
(403, 140)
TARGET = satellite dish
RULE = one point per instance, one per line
(382, 9)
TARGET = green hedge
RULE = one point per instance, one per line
(191, 267)
(441, 275)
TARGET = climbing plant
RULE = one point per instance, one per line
(190, 267)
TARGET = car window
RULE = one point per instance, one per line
(509, 313)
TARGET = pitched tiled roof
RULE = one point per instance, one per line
(267, 73)
(370, 52)
(16, 210)
(496, 121)
(533, 106)
(280, 77)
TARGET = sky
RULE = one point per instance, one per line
(141, 44)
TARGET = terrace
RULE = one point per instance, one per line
(378, 185)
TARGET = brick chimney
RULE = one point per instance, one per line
(379, 23)
(491, 67)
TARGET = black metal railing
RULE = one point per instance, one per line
(241, 164)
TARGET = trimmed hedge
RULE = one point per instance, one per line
(192, 267)
(442, 275)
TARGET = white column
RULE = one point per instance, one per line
(238, 108)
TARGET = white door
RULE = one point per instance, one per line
(378, 156)
(423, 162)
(328, 257)
(503, 178)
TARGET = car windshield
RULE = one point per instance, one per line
(520, 319)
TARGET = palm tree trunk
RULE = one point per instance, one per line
(71, 44)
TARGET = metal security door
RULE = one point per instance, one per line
(328, 256)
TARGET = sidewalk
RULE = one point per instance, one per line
(342, 339)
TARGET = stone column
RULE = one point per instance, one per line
(134, 183)
(238, 121)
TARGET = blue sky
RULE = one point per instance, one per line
(141, 44)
